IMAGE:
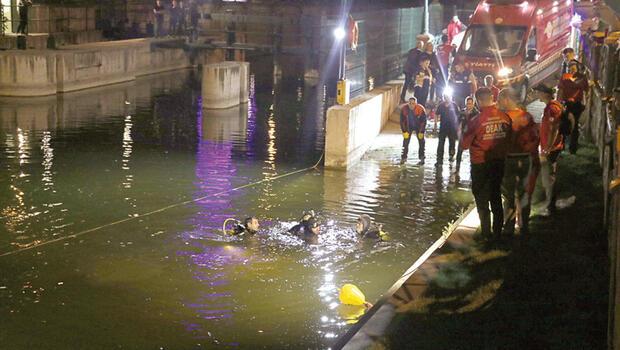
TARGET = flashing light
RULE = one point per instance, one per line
(568, 2)
(448, 91)
(539, 12)
(504, 72)
(339, 33)
(556, 3)
(524, 4)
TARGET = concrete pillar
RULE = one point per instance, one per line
(225, 84)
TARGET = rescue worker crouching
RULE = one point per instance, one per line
(367, 229)
(413, 123)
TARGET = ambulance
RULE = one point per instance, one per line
(519, 42)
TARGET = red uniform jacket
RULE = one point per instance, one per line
(413, 121)
(453, 29)
(551, 118)
(572, 87)
(488, 135)
(525, 135)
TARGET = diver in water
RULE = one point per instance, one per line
(308, 226)
(367, 229)
(249, 226)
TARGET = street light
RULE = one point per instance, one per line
(343, 87)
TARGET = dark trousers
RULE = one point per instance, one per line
(486, 181)
(421, 94)
(23, 26)
(421, 143)
(451, 136)
(406, 84)
(575, 108)
(459, 156)
(548, 174)
(159, 21)
(517, 200)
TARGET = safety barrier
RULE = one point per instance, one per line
(601, 123)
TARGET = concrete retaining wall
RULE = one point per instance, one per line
(352, 128)
(40, 73)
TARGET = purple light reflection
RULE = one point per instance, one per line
(212, 261)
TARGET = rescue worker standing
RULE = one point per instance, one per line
(410, 68)
(551, 144)
(423, 79)
(489, 82)
(413, 124)
(448, 127)
(568, 54)
(522, 160)
(463, 83)
(468, 113)
(571, 91)
(488, 137)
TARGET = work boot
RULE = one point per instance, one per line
(403, 160)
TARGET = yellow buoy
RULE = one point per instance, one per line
(351, 295)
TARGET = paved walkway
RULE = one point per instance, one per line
(545, 292)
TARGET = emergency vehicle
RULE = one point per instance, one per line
(519, 42)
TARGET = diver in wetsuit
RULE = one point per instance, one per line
(249, 226)
(307, 227)
(367, 229)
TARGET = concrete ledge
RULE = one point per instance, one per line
(77, 67)
(351, 128)
(412, 284)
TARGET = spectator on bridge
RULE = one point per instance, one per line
(454, 27)
(413, 124)
(423, 79)
(551, 144)
(489, 83)
(158, 11)
(23, 8)
(522, 163)
(488, 137)
(571, 90)
(447, 111)
(468, 113)
(194, 17)
(410, 67)
(174, 17)
(183, 13)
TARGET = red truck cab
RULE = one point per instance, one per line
(519, 42)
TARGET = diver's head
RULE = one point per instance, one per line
(251, 224)
(363, 223)
(308, 215)
(313, 226)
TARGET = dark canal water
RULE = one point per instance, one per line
(94, 253)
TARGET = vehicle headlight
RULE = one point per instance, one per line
(504, 72)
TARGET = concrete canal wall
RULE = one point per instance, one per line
(47, 72)
(351, 128)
